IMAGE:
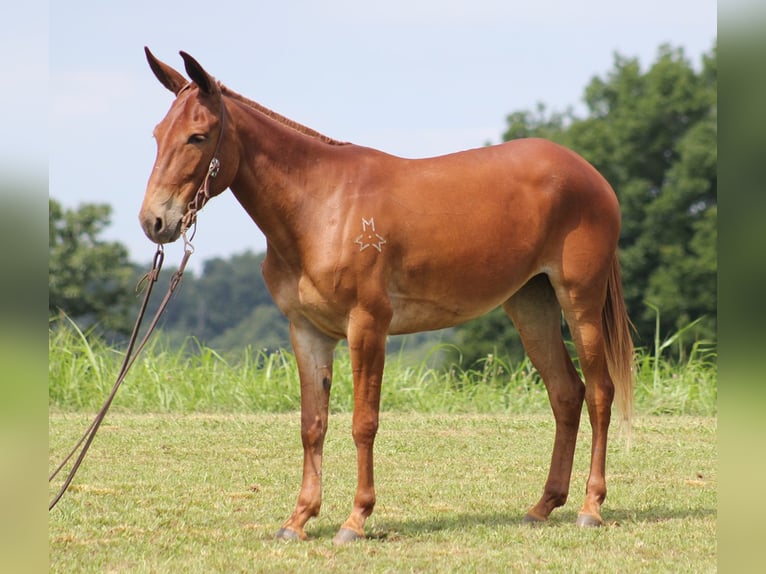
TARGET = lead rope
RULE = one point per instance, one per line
(151, 278)
(189, 221)
(130, 356)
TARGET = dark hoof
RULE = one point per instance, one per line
(287, 534)
(532, 520)
(589, 521)
(345, 536)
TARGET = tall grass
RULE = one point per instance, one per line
(195, 378)
(687, 383)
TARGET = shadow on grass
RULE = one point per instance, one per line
(394, 530)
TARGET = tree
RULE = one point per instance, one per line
(653, 135)
(540, 123)
(88, 278)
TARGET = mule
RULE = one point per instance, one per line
(362, 244)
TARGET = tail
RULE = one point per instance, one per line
(619, 344)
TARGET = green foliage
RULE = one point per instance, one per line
(660, 154)
(167, 378)
(538, 123)
(88, 278)
(653, 134)
(664, 388)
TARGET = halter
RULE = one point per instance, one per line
(203, 193)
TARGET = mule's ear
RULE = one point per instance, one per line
(167, 76)
(204, 80)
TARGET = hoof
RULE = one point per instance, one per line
(589, 521)
(532, 520)
(345, 536)
(288, 534)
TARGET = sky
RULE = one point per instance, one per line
(411, 78)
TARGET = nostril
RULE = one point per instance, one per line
(158, 225)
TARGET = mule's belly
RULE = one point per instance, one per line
(451, 301)
(414, 316)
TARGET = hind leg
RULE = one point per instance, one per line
(536, 313)
(599, 393)
(583, 313)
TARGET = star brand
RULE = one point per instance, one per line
(368, 237)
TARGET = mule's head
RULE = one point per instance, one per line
(189, 136)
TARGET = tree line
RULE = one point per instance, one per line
(651, 132)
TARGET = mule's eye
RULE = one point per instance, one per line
(196, 138)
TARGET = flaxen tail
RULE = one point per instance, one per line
(619, 344)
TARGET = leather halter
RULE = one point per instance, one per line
(214, 167)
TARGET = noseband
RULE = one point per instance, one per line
(203, 193)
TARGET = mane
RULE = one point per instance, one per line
(278, 117)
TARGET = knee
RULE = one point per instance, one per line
(313, 431)
(365, 428)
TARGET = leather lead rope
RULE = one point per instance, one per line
(150, 278)
(87, 438)
(189, 220)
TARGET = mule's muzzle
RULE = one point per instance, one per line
(161, 229)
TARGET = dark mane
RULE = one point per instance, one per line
(278, 117)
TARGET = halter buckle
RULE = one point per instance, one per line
(214, 167)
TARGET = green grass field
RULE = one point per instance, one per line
(207, 492)
(198, 464)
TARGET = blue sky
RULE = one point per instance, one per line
(411, 78)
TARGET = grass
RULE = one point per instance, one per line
(206, 493)
(184, 476)
(195, 378)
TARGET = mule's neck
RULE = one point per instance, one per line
(281, 173)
